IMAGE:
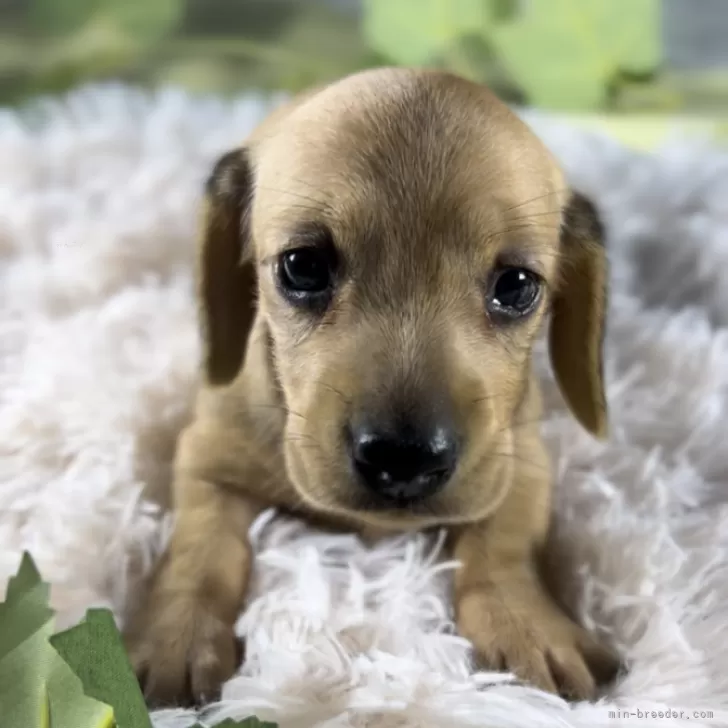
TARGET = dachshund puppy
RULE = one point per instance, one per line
(374, 265)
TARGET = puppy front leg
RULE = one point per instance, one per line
(181, 639)
(504, 609)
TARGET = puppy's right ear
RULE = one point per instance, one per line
(578, 315)
(225, 268)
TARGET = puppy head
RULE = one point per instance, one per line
(404, 236)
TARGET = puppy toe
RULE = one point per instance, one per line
(535, 671)
(139, 658)
(603, 662)
(211, 665)
(571, 675)
(166, 685)
(139, 663)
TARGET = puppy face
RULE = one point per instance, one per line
(408, 237)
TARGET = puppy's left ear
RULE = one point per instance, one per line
(578, 315)
(226, 279)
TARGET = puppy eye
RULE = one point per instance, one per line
(305, 272)
(514, 293)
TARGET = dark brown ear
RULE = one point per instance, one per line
(226, 273)
(578, 315)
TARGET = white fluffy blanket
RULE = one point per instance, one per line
(98, 349)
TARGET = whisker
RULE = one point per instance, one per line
(538, 197)
(336, 391)
(520, 460)
(302, 437)
(280, 408)
(521, 227)
(488, 398)
(315, 203)
(534, 215)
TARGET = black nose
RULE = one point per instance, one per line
(404, 466)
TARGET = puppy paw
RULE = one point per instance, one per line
(524, 632)
(181, 651)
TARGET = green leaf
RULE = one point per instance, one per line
(413, 32)
(26, 578)
(95, 650)
(37, 688)
(564, 53)
(25, 609)
(251, 722)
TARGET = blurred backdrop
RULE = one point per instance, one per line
(617, 59)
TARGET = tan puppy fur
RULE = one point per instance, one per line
(421, 188)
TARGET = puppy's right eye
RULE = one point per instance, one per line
(305, 273)
(514, 293)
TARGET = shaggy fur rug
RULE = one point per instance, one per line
(98, 352)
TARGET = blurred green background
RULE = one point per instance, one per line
(576, 56)
(206, 45)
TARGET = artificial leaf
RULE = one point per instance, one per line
(413, 32)
(251, 722)
(95, 650)
(37, 688)
(25, 609)
(564, 53)
(27, 577)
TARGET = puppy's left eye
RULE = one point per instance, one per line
(513, 293)
(305, 274)
(305, 269)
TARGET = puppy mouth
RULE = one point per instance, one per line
(397, 493)
(404, 503)
(397, 484)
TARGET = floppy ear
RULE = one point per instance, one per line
(225, 271)
(578, 313)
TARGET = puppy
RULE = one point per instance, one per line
(375, 264)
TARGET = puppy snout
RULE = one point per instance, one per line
(404, 465)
